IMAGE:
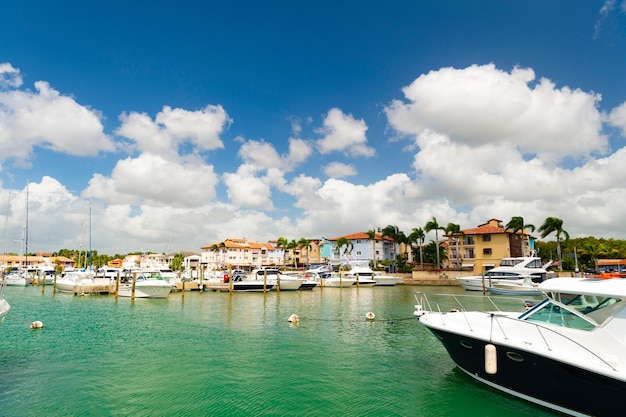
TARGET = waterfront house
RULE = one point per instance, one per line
(482, 248)
(239, 253)
(381, 248)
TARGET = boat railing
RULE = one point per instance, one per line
(470, 302)
(496, 306)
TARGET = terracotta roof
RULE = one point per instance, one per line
(484, 230)
(361, 235)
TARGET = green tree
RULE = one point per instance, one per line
(430, 226)
(454, 230)
(177, 262)
(305, 244)
(516, 224)
(282, 243)
(554, 225)
(393, 233)
(417, 236)
(371, 236)
(342, 242)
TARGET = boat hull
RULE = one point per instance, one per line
(339, 283)
(4, 309)
(145, 291)
(563, 387)
(252, 286)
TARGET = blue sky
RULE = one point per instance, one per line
(183, 123)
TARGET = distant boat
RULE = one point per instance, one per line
(386, 280)
(362, 273)
(17, 278)
(510, 270)
(147, 284)
(77, 281)
(526, 287)
(337, 280)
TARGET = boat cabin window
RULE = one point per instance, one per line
(556, 315)
(510, 262)
(595, 308)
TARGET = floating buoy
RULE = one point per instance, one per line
(370, 316)
(491, 362)
(36, 325)
(293, 318)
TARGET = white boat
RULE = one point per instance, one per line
(386, 280)
(566, 353)
(281, 281)
(337, 280)
(78, 281)
(362, 273)
(526, 287)
(147, 284)
(17, 279)
(510, 270)
(4, 304)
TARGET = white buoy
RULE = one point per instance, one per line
(491, 362)
(36, 325)
(370, 316)
(293, 318)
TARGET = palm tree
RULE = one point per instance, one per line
(429, 227)
(392, 232)
(292, 245)
(454, 230)
(371, 236)
(282, 243)
(305, 244)
(341, 242)
(517, 225)
(217, 247)
(554, 225)
(417, 236)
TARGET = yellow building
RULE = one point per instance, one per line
(482, 248)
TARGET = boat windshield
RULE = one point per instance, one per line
(576, 311)
(510, 262)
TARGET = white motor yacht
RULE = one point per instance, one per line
(4, 304)
(510, 270)
(566, 353)
(147, 284)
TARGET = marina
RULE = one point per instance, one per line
(216, 353)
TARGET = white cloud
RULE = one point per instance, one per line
(482, 105)
(47, 119)
(343, 133)
(263, 155)
(153, 179)
(247, 190)
(338, 170)
(10, 76)
(174, 127)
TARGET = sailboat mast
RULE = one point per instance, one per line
(6, 227)
(26, 229)
(90, 254)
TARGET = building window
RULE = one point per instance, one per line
(486, 238)
(487, 251)
(469, 253)
(469, 240)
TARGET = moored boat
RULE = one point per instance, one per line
(337, 280)
(147, 284)
(4, 304)
(510, 270)
(573, 344)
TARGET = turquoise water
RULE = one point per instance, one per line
(217, 354)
